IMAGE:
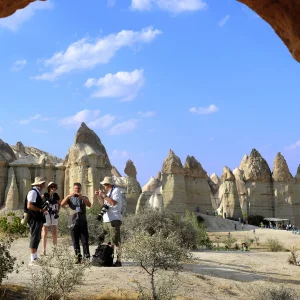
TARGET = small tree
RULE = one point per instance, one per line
(57, 276)
(7, 262)
(154, 253)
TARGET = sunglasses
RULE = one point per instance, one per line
(52, 186)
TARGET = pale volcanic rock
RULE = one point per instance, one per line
(215, 183)
(283, 16)
(193, 168)
(256, 168)
(241, 188)
(115, 172)
(173, 184)
(227, 175)
(172, 164)
(87, 162)
(130, 169)
(11, 193)
(198, 193)
(230, 199)
(281, 172)
(297, 176)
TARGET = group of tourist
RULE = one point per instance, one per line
(43, 212)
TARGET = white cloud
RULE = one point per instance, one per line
(30, 119)
(83, 54)
(174, 6)
(224, 21)
(204, 110)
(293, 146)
(111, 3)
(147, 114)
(35, 117)
(39, 131)
(124, 85)
(90, 117)
(18, 65)
(15, 21)
(119, 153)
(123, 128)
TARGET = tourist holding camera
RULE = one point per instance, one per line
(34, 207)
(52, 202)
(112, 219)
(78, 222)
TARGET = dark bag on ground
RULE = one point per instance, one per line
(104, 256)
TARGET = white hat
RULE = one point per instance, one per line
(38, 181)
(107, 180)
(52, 183)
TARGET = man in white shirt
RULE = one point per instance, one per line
(34, 206)
(112, 219)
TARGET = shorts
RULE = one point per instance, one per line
(50, 221)
(112, 231)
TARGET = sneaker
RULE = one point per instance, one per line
(78, 259)
(117, 264)
(33, 263)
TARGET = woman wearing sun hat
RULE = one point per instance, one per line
(51, 220)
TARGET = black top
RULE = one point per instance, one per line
(38, 203)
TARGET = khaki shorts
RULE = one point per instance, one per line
(112, 231)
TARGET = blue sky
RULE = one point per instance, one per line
(209, 79)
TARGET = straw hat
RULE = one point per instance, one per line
(52, 183)
(38, 181)
(107, 180)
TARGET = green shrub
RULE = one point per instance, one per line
(12, 224)
(7, 262)
(228, 242)
(274, 245)
(190, 233)
(255, 220)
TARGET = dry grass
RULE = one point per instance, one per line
(13, 292)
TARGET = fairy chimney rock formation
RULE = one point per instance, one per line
(256, 168)
(130, 169)
(193, 168)
(158, 176)
(198, 193)
(283, 16)
(115, 172)
(172, 164)
(227, 175)
(297, 176)
(87, 162)
(259, 185)
(173, 184)
(134, 189)
(11, 192)
(241, 188)
(281, 172)
(230, 197)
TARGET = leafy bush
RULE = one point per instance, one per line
(274, 245)
(274, 293)
(255, 220)
(248, 241)
(155, 252)
(63, 220)
(228, 242)
(7, 262)
(190, 233)
(57, 276)
(12, 224)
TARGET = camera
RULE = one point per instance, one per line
(103, 210)
(76, 195)
(48, 204)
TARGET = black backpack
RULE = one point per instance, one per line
(104, 256)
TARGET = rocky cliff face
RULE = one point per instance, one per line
(283, 16)
(259, 185)
(230, 199)
(198, 193)
(284, 189)
(86, 162)
(241, 188)
(215, 183)
(133, 190)
(173, 184)
(8, 7)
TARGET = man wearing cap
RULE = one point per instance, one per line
(112, 219)
(34, 205)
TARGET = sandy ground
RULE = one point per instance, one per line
(212, 275)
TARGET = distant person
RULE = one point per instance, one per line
(240, 219)
(242, 226)
(207, 211)
(51, 215)
(34, 207)
(78, 222)
(234, 226)
(254, 231)
(225, 215)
